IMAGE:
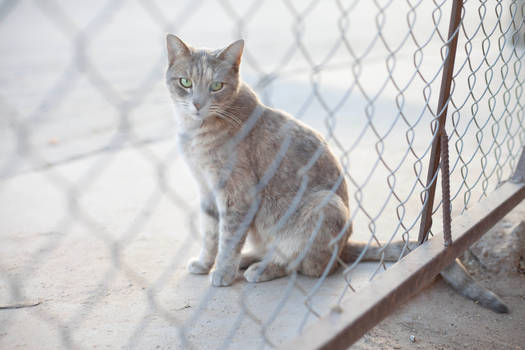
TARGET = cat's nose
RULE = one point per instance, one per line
(197, 105)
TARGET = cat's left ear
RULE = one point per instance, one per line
(232, 54)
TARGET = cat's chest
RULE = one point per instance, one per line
(204, 152)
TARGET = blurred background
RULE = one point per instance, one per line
(99, 213)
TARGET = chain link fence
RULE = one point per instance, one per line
(100, 215)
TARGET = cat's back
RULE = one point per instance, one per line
(290, 149)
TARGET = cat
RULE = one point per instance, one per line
(266, 177)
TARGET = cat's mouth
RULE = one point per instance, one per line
(194, 115)
(198, 115)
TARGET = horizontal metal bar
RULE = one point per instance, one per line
(363, 310)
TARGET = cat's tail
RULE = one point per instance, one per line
(460, 280)
(373, 252)
(455, 275)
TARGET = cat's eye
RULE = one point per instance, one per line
(184, 82)
(216, 86)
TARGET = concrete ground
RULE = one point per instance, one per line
(98, 211)
(108, 267)
(108, 271)
(440, 319)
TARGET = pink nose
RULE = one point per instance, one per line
(197, 105)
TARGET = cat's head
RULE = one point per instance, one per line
(202, 82)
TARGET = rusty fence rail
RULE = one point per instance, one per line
(100, 216)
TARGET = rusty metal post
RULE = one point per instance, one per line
(445, 190)
(444, 94)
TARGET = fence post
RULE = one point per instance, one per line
(440, 134)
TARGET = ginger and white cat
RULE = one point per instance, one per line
(265, 176)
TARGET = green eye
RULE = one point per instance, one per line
(216, 86)
(185, 82)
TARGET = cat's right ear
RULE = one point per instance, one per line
(176, 48)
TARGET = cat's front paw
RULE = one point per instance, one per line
(197, 267)
(222, 278)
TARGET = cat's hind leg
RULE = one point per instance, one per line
(259, 265)
(303, 244)
(269, 266)
(257, 251)
(262, 271)
(248, 259)
(324, 217)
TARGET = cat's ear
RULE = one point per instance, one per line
(176, 48)
(232, 54)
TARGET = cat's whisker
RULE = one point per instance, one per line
(228, 118)
(236, 107)
(225, 115)
(233, 117)
(230, 107)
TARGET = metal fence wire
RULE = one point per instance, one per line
(99, 215)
